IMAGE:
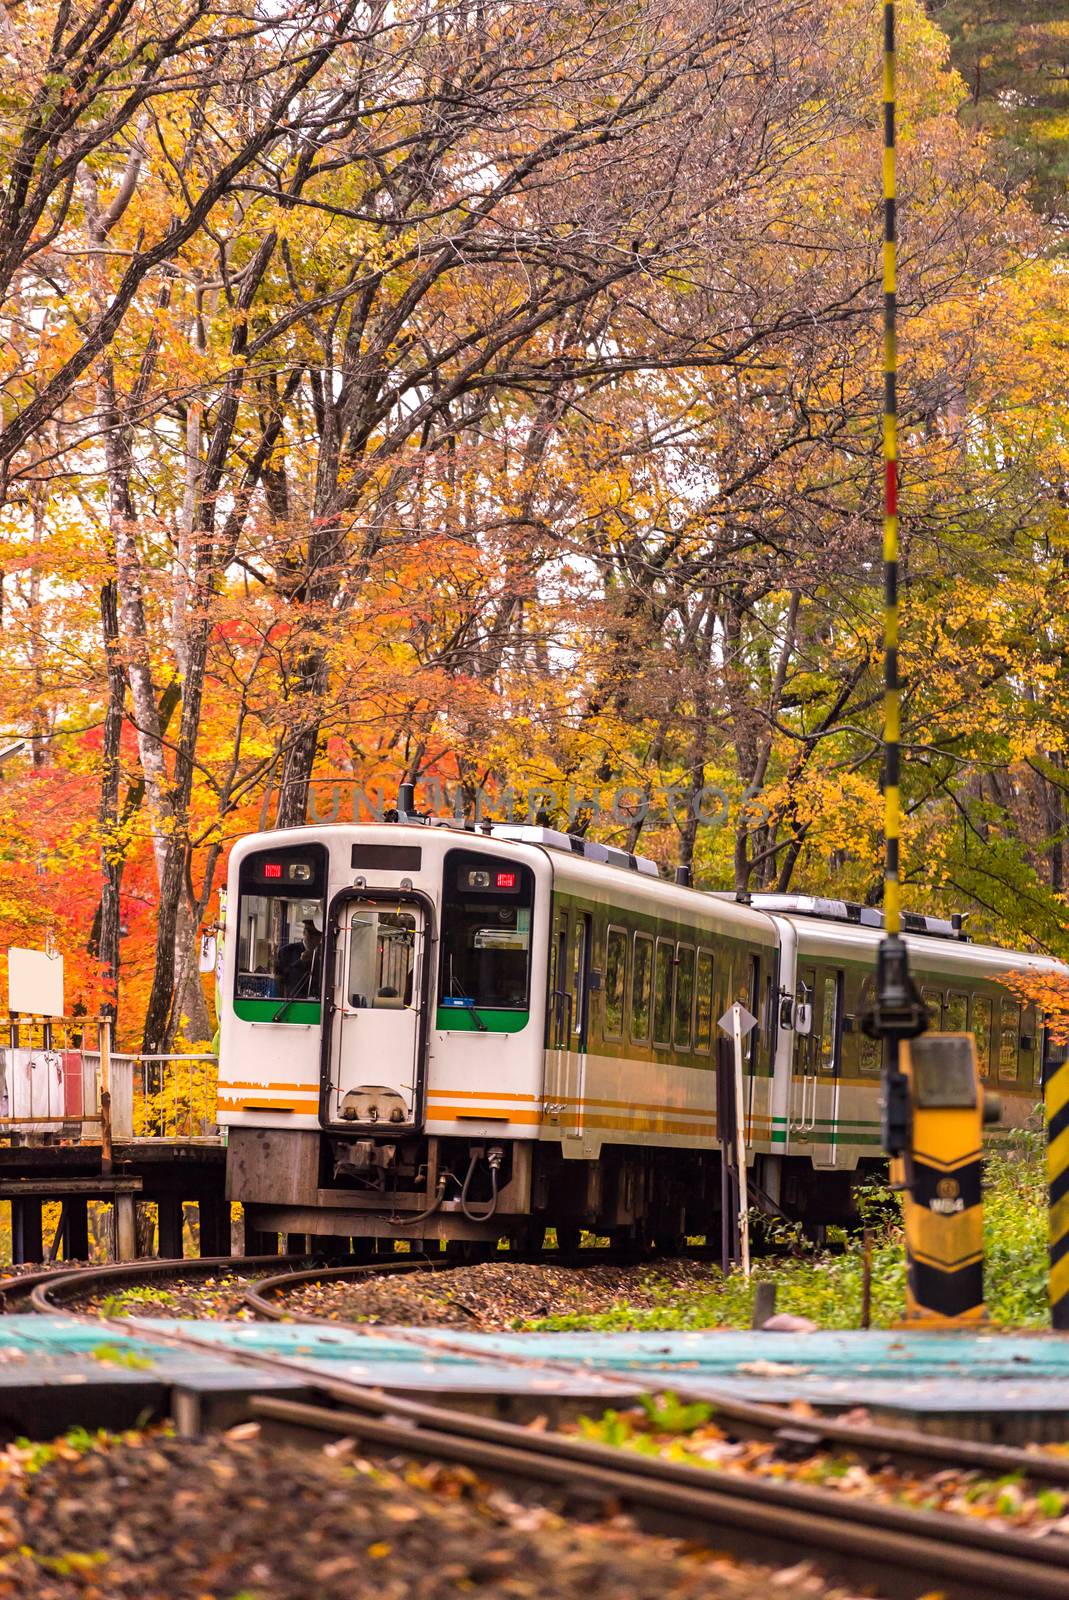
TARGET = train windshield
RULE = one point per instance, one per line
(280, 925)
(486, 934)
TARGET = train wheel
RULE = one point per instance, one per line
(466, 1252)
(568, 1234)
(528, 1240)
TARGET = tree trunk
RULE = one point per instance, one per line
(111, 861)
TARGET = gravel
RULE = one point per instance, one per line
(201, 1299)
(153, 1518)
(496, 1295)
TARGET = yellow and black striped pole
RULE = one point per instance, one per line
(1056, 1097)
(892, 707)
(933, 1105)
(898, 1012)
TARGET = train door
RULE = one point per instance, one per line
(786, 1017)
(575, 1066)
(826, 1057)
(561, 1081)
(378, 1023)
(803, 1077)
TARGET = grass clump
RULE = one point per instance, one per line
(827, 1288)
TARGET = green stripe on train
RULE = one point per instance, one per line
(277, 1009)
(459, 1019)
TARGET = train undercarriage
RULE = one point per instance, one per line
(428, 1189)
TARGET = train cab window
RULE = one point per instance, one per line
(662, 993)
(641, 988)
(1009, 1035)
(280, 921)
(956, 1013)
(703, 1011)
(381, 949)
(615, 982)
(486, 933)
(684, 996)
(830, 1023)
(981, 1027)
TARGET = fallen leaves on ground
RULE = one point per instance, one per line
(499, 1294)
(151, 1517)
(688, 1432)
(211, 1299)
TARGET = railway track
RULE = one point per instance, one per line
(908, 1553)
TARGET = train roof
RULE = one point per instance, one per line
(829, 927)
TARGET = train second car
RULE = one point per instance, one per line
(432, 1033)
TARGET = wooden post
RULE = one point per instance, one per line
(27, 1240)
(76, 1240)
(866, 1278)
(764, 1303)
(169, 1240)
(214, 1218)
(125, 1228)
(105, 1097)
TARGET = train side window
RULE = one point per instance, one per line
(615, 982)
(552, 1001)
(581, 988)
(868, 1050)
(1009, 1038)
(956, 1015)
(1031, 1054)
(830, 1023)
(662, 993)
(933, 999)
(753, 1001)
(684, 1000)
(981, 1027)
(641, 988)
(804, 1042)
(703, 1017)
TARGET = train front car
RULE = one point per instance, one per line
(383, 1018)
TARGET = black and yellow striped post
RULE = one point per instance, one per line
(933, 1104)
(898, 1012)
(943, 1200)
(1056, 1099)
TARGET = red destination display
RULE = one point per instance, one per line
(505, 880)
(272, 869)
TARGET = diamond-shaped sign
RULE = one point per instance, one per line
(746, 1020)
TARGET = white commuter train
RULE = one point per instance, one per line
(433, 1032)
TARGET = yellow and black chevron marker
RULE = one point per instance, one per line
(1056, 1097)
(943, 1203)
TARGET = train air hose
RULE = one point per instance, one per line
(494, 1157)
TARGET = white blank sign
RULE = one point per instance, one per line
(35, 983)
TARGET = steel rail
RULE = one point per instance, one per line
(48, 1291)
(905, 1446)
(74, 1280)
(905, 1551)
(750, 1515)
